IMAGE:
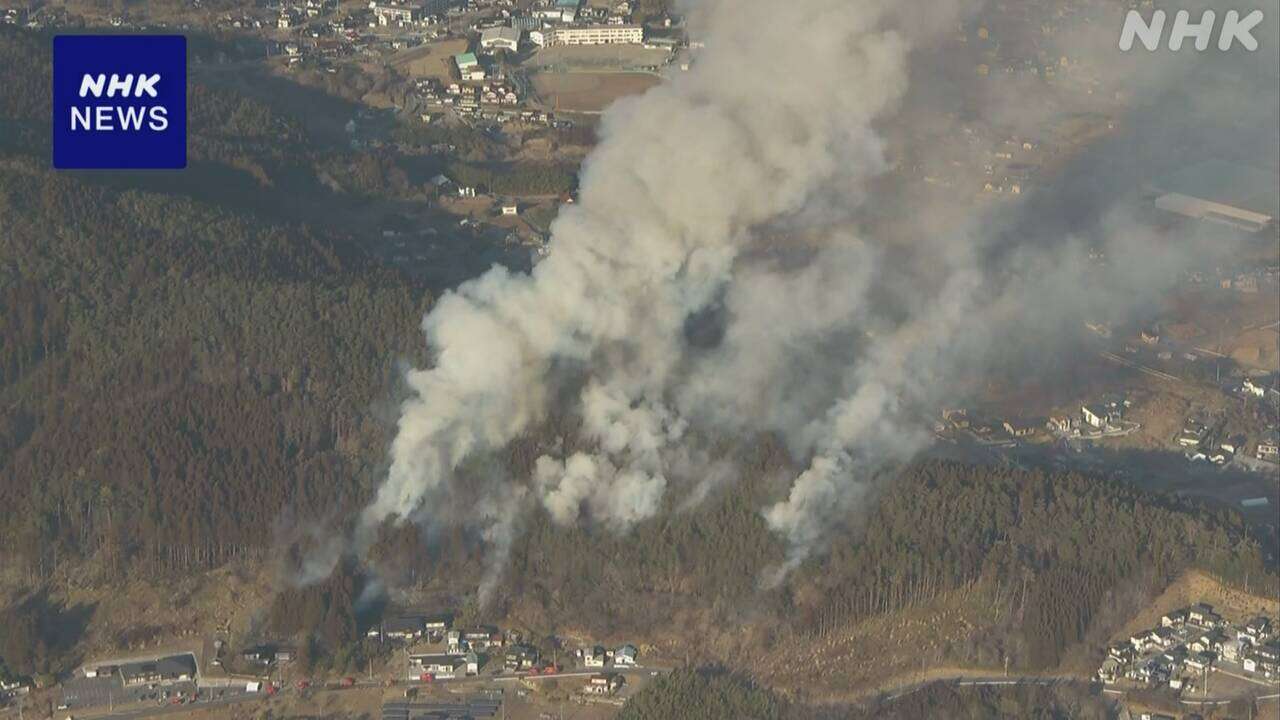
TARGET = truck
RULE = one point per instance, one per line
(348, 682)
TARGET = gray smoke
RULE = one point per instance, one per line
(727, 272)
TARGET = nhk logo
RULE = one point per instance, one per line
(1236, 28)
(119, 101)
(102, 117)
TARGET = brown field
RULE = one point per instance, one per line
(1193, 587)
(434, 60)
(589, 92)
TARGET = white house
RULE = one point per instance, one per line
(625, 656)
(1096, 417)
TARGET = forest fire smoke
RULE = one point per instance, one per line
(728, 196)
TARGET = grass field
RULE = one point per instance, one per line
(589, 92)
(434, 60)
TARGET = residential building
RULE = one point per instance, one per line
(1256, 631)
(521, 657)
(625, 656)
(1095, 416)
(259, 654)
(1021, 428)
(391, 14)
(1269, 449)
(437, 625)
(482, 637)
(593, 658)
(436, 664)
(603, 684)
(1202, 614)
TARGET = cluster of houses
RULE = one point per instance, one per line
(293, 15)
(1103, 417)
(412, 628)
(1203, 443)
(1190, 642)
(599, 657)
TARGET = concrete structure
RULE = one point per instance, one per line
(469, 67)
(598, 35)
(500, 38)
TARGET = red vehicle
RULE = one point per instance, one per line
(271, 688)
(427, 677)
(348, 682)
(175, 700)
(303, 684)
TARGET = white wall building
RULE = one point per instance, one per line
(500, 38)
(598, 35)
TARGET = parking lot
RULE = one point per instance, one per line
(82, 692)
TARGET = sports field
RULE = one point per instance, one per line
(589, 92)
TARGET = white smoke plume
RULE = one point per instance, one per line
(668, 202)
(732, 196)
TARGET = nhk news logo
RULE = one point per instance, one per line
(119, 101)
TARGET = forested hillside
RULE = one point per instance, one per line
(176, 373)
(714, 694)
(1056, 560)
(183, 368)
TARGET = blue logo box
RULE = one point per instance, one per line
(119, 102)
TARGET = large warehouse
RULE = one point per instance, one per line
(1241, 196)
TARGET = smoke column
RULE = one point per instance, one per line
(668, 201)
(733, 191)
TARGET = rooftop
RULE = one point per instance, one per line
(1226, 183)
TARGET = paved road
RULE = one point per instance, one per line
(961, 681)
(152, 711)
